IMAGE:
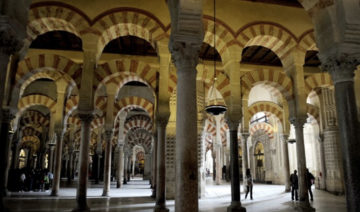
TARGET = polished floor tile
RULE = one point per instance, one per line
(135, 196)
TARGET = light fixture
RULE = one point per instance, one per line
(291, 141)
(214, 107)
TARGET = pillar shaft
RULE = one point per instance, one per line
(147, 167)
(129, 167)
(342, 70)
(244, 147)
(286, 165)
(51, 157)
(81, 192)
(298, 123)
(125, 168)
(120, 168)
(58, 161)
(6, 144)
(234, 163)
(107, 166)
(322, 163)
(186, 60)
(70, 166)
(154, 168)
(218, 164)
(160, 166)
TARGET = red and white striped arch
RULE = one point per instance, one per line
(122, 71)
(314, 111)
(267, 107)
(127, 21)
(30, 131)
(132, 102)
(140, 139)
(36, 99)
(267, 128)
(138, 122)
(318, 80)
(276, 79)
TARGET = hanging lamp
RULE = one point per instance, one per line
(214, 107)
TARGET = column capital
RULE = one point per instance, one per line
(7, 115)
(185, 54)
(284, 137)
(298, 121)
(108, 134)
(9, 42)
(341, 67)
(232, 124)
(120, 146)
(86, 117)
(162, 121)
(245, 135)
(51, 146)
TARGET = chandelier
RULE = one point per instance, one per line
(214, 107)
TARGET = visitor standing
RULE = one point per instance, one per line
(249, 183)
(294, 185)
(310, 181)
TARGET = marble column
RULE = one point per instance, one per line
(15, 154)
(125, 168)
(218, 163)
(227, 174)
(154, 168)
(160, 206)
(58, 161)
(81, 192)
(129, 167)
(70, 166)
(245, 160)
(120, 168)
(51, 157)
(298, 123)
(6, 138)
(99, 156)
(341, 69)
(186, 59)
(147, 167)
(107, 166)
(286, 165)
(213, 156)
(322, 162)
(235, 205)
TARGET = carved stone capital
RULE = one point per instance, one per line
(51, 146)
(284, 137)
(9, 42)
(341, 68)
(245, 136)
(86, 117)
(162, 121)
(233, 125)
(184, 54)
(108, 135)
(7, 116)
(298, 121)
(120, 146)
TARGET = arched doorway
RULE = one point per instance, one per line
(259, 162)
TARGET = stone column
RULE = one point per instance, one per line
(6, 138)
(186, 60)
(107, 166)
(213, 155)
(15, 154)
(154, 167)
(125, 168)
(120, 164)
(235, 205)
(227, 174)
(70, 166)
(51, 156)
(58, 161)
(322, 162)
(81, 192)
(160, 206)
(286, 165)
(298, 123)
(147, 167)
(245, 160)
(129, 167)
(217, 148)
(341, 69)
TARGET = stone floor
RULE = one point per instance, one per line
(135, 197)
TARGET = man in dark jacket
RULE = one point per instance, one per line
(310, 181)
(294, 185)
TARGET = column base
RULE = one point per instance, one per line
(236, 207)
(105, 194)
(54, 193)
(304, 207)
(81, 209)
(161, 209)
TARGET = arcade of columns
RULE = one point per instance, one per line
(93, 118)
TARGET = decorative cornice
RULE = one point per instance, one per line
(298, 121)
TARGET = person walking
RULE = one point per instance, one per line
(294, 185)
(249, 183)
(22, 182)
(310, 181)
